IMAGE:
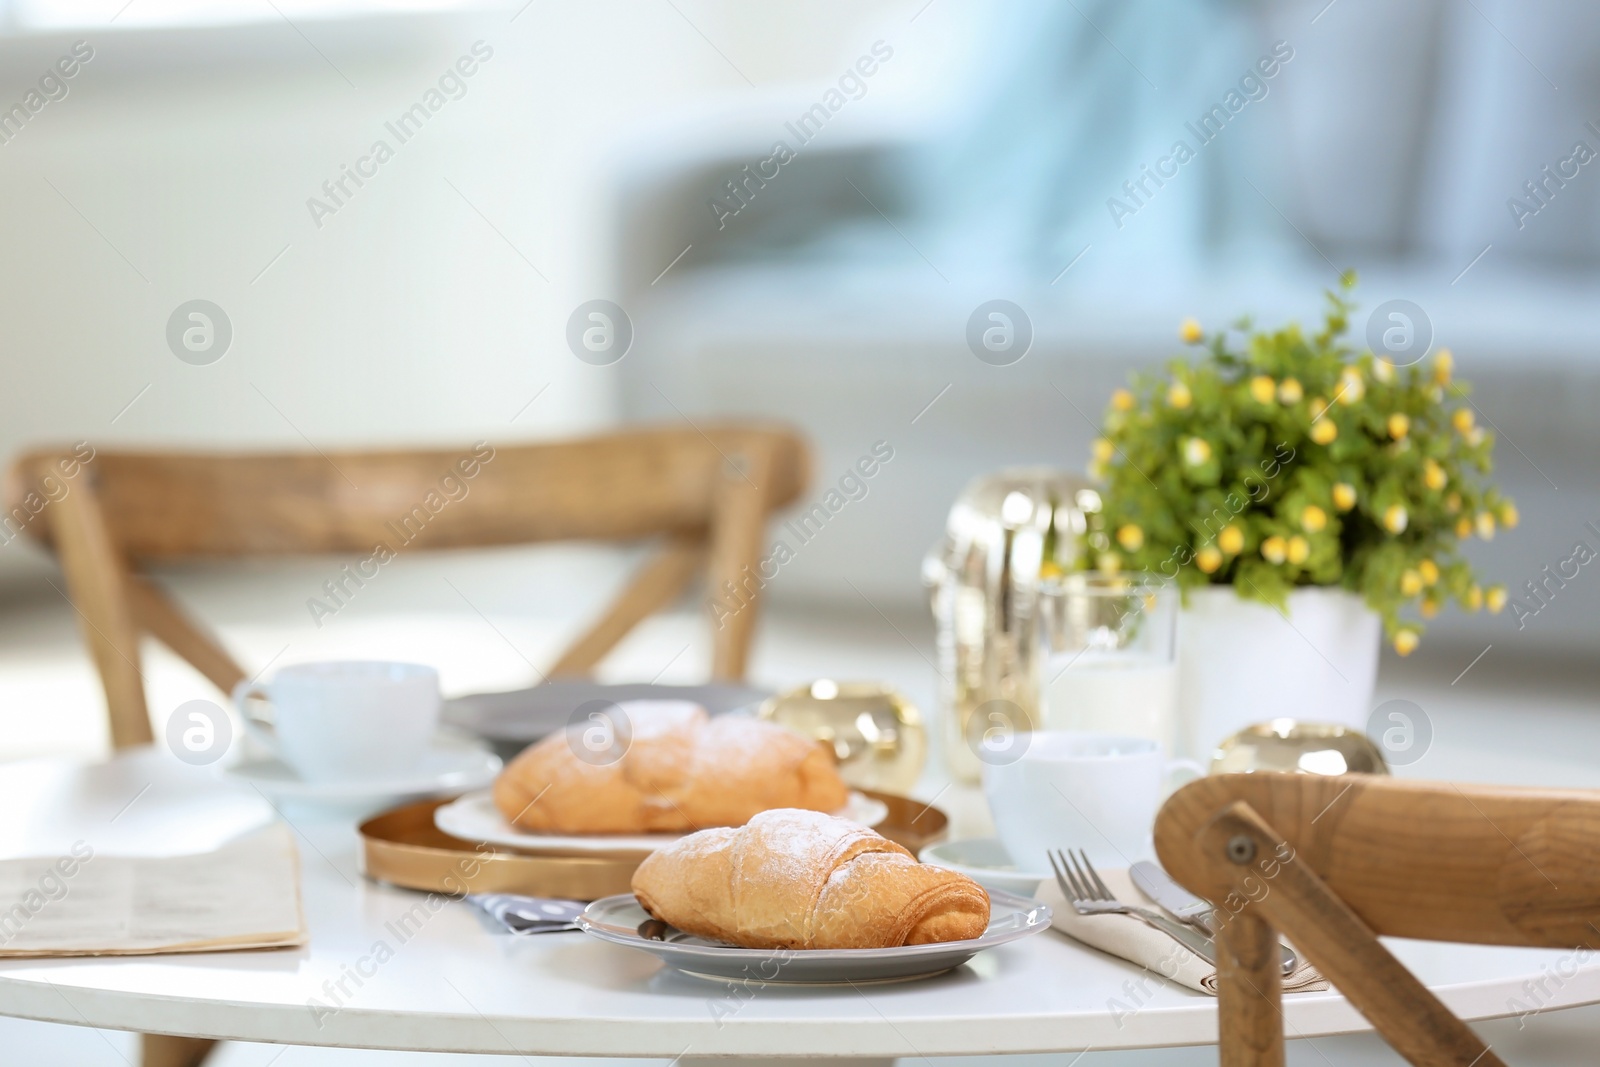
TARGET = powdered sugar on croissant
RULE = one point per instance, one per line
(682, 770)
(801, 879)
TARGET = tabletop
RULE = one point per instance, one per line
(389, 968)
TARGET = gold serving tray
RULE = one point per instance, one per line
(403, 847)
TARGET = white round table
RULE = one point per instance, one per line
(457, 984)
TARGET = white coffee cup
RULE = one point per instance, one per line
(344, 720)
(1068, 790)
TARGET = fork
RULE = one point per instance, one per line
(1088, 895)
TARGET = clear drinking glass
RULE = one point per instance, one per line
(1108, 662)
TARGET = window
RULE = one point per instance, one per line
(33, 16)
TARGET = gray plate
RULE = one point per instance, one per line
(514, 720)
(617, 919)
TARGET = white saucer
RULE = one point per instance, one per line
(451, 765)
(475, 818)
(984, 860)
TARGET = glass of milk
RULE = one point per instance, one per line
(1109, 662)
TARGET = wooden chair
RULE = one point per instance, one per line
(1335, 861)
(705, 495)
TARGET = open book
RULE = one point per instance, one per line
(245, 894)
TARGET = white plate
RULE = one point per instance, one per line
(986, 861)
(617, 919)
(452, 764)
(475, 818)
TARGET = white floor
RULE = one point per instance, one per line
(1507, 720)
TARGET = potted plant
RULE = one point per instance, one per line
(1303, 493)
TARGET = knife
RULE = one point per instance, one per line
(1178, 902)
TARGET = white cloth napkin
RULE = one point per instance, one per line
(244, 895)
(1130, 939)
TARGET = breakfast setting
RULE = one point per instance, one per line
(1153, 803)
(987, 533)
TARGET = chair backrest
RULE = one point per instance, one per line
(704, 492)
(1335, 861)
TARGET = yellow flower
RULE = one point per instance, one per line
(1351, 387)
(1429, 571)
(1122, 400)
(1050, 569)
(1405, 642)
(1452, 503)
(1475, 436)
(1231, 540)
(1399, 426)
(1298, 550)
(1434, 477)
(1208, 559)
(1344, 496)
(1130, 537)
(1462, 420)
(1189, 331)
(1178, 395)
(1383, 370)
(1323, 431)
(1485, 525)
(1463, 527)
(1289, 391)
(1443, 364)
(1196, 450)
(1495, 598)
(1429, 607)
(1395, 518)
(1108, 562)
(1410, 582)
(1103, 449)
(1274, 549)
(1509, 516)
(1263, 389)
(1313, 518)
(1474, 598)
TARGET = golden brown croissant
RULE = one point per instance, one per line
(682, 770)
(800, 879)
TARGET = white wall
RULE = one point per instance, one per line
(179, 166)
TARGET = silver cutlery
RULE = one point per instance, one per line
(1088, 895)
(1177, 901)
(1158, 885)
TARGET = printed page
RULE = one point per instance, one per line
(244, 895)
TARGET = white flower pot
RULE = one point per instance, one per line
(1241, 662)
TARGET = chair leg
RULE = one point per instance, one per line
(737, 526)
(160, 1050)
(97, 583)
(1334, 938)
(1249, 992)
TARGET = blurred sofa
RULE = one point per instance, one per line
(981, 162)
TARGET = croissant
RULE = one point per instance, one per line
(804, 880)
(681, 770)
